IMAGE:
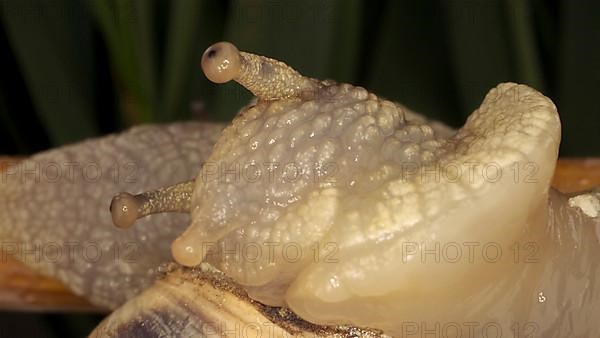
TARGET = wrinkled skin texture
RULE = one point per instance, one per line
(370, 212)
(516, 127)
(65, 212)
(571, 233)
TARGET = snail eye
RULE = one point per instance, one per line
(221, 62)
(124, 210)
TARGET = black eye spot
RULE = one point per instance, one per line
(212, 53)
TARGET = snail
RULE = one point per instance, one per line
(321, 210)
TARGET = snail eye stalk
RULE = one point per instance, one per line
(266, 78)
(126, 208)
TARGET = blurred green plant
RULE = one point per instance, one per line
(438, 57)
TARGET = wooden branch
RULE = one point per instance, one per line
(577, 174)
(24, 290)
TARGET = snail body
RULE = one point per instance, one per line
(350, 152)
(326, 199)
(54, 216)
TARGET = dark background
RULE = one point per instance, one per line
(76, 69)
(72, 69)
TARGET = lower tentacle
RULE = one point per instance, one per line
(126, 208)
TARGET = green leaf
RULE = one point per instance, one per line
(192, 26)
(8, 124)
(144, 36)
(479, 49)
(127, 28)
(344, 58)
(527, 58)
(52, 42)
(410, 63)
(578, 78)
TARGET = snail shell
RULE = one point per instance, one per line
(203, 302)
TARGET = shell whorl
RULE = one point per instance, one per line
(219, 307)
